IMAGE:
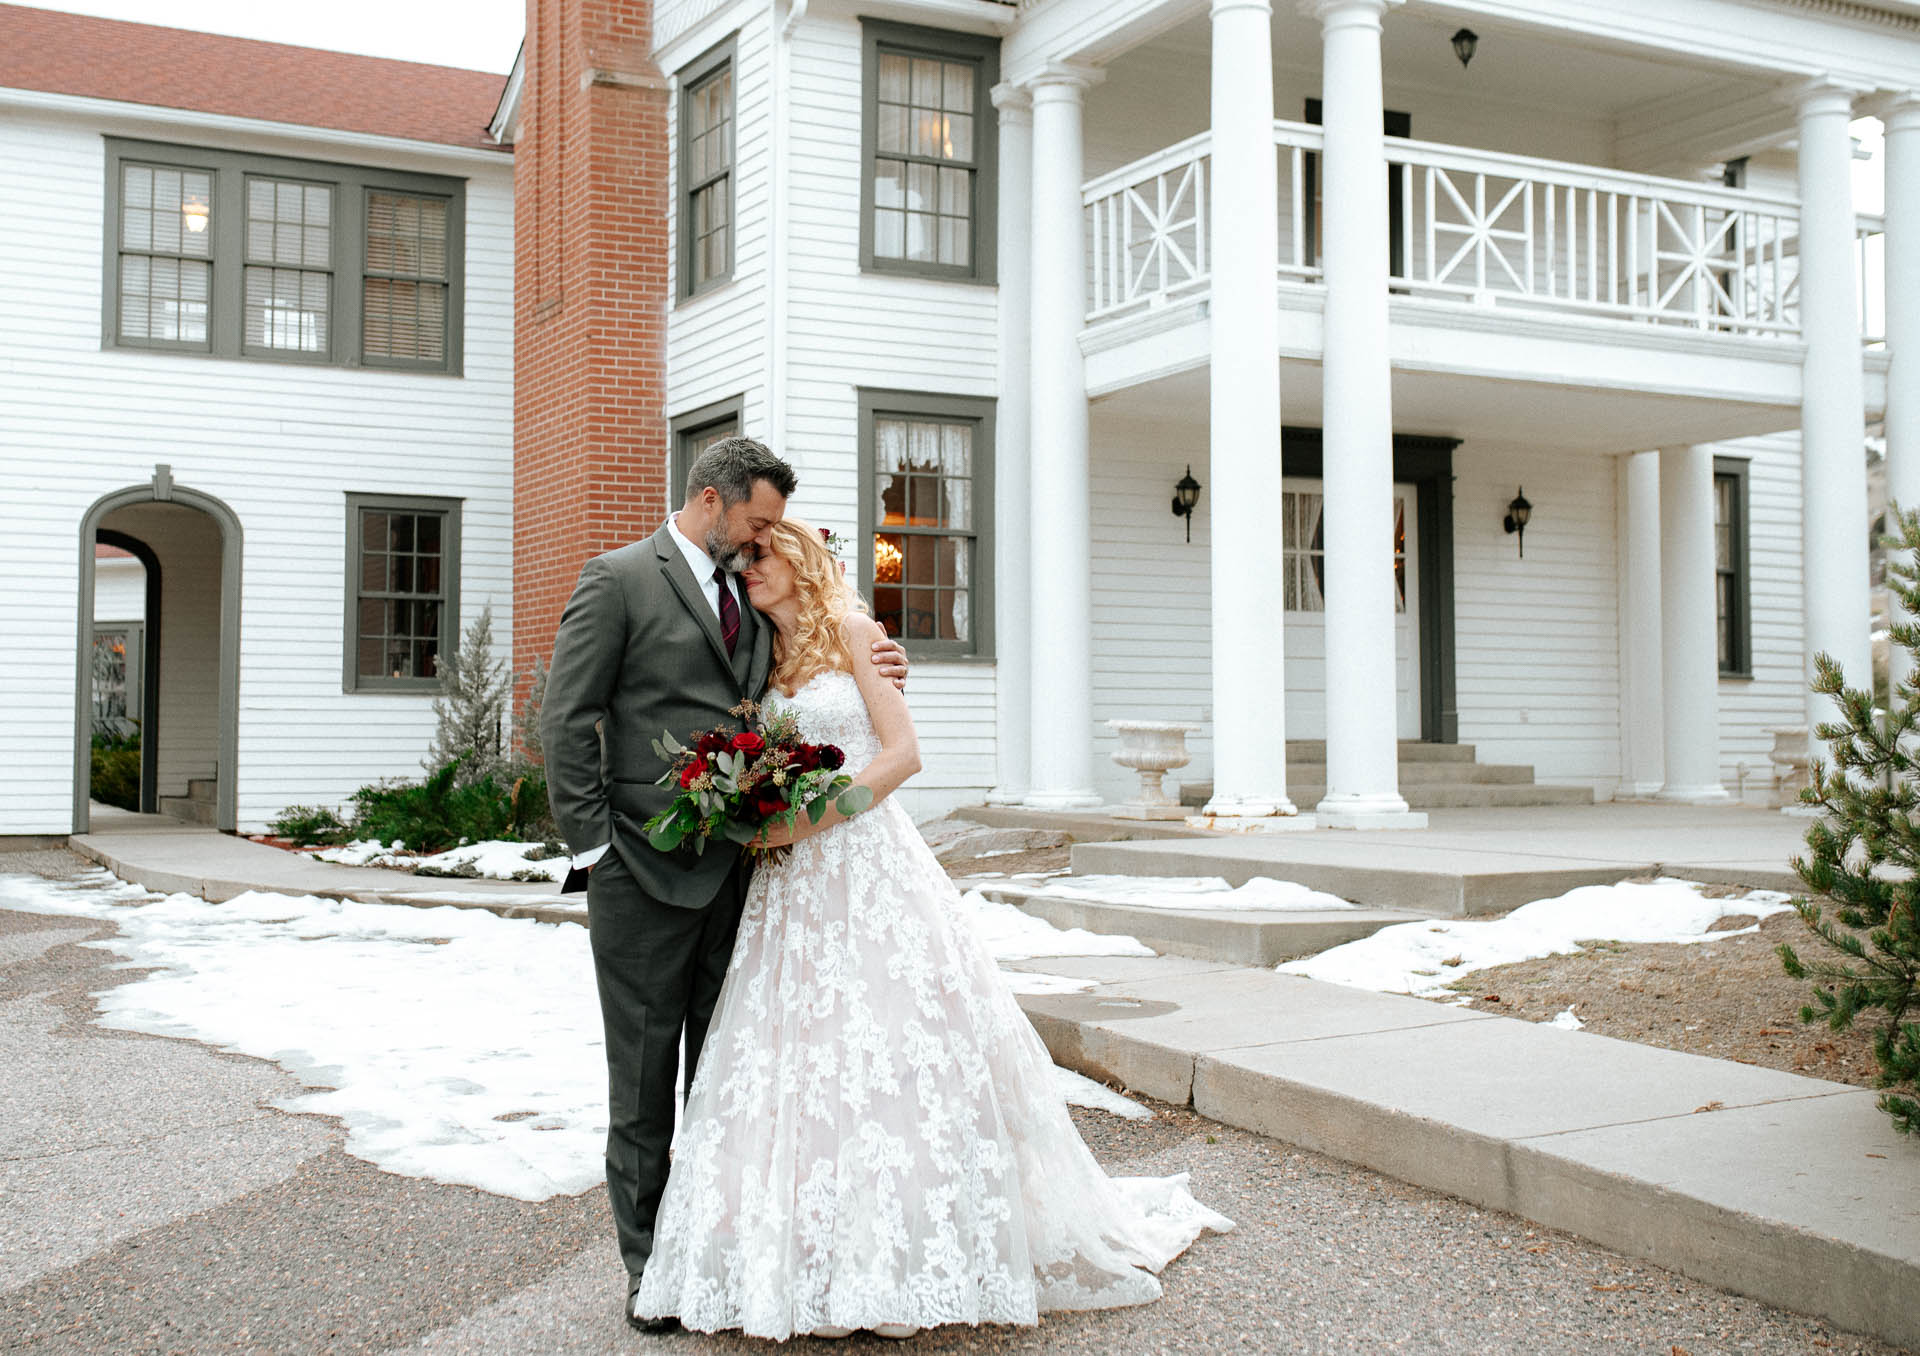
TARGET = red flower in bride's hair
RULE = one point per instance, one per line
(690, 773)
(826, 534)
(748, 742)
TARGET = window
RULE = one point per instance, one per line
(925, 499)
(403, 591)
(1733, 625)
(693, 433)
(706, 171)
(1303, 551)
(245, 256)
(928, 137)
(117, 675)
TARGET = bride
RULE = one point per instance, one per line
(873, 1138)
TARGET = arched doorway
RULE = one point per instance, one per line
(191, 689)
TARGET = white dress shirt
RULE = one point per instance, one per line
(702, 566)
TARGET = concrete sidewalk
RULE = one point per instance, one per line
(1793, 1190)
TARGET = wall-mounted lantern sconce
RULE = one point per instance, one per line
(1186, 494)
(1518, 512)
(1464, 44)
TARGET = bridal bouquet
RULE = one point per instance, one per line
(737, 784)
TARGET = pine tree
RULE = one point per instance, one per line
(472, 707)
(1865, 856)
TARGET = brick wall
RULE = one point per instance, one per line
(590, 301)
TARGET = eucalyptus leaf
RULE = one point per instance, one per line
(855, 799)
(667, 837)
(673, 744)
(741, 833)
(816, 808)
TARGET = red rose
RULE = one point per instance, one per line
(713, 741)
(689, 773)
(831, 758)
(748, 742)
(771, 803)
(806, 757)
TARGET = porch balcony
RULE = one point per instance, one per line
(1680, 297)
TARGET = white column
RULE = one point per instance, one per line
(1689, 657)
(1249, 725)
(1061, 542)
(1901, 116)
(1644, 767)
(1362, 710)
(1012, 565)
(1833, 475)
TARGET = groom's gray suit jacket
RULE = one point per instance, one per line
(640, 654)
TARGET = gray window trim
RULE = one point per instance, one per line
(1737, 470)
(350, 678)
(689, 77)
(686, 427)
(351, 184)
(949, 46)
(877, 401)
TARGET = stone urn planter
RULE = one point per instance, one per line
(1152, 748)
(1789, 757)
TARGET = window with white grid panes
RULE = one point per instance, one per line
(239, 255)
(1732, 632)
(929, 135)
(707, 154)
(287, 284)
(405, 286)
(1303, 562)
(403, 602)
(165, 268)
(925, 531)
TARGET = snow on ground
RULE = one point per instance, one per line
(1083, 1091)
(492, 860)
(455, 1045)
(1012, 934)
(1424, 958)
(1197, 892)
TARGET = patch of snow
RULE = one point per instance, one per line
(453, 1044)
(1197, 892)
(1566, 1021)
(575, 903)
(1011, 934)
(491, 860)
(1080, 1090)
(1424, 958)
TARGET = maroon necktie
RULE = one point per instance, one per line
(729, 610)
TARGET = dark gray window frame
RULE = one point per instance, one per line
(947, 46)
(980, 410)
(695, 73)
(356, 500)
(1738, 470)
(686, 427)
(351, 185)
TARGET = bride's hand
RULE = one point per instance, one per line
(777, 834)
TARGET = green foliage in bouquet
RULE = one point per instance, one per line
(1865, 856)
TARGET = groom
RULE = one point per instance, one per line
(658, 638)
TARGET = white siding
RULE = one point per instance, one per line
(716, 342)
(1750, 708)
(279, 444)
(119, 589)
(1537, 639)
(1152, 605)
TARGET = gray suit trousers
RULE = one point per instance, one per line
(659, 967)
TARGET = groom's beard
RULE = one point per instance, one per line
(732, 559)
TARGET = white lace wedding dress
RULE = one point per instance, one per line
(874, 1134)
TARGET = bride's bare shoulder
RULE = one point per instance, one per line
(860, 631)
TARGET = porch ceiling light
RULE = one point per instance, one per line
(1518, 512)
(1186, 494)
(195, 212)
(1464, 42)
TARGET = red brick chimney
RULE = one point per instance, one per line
(590, 302)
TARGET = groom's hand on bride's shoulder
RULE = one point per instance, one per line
(891, 660)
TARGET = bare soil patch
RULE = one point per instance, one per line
(1728, 999)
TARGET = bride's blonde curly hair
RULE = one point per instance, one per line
(818, 643)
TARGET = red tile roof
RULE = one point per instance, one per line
(241, 78)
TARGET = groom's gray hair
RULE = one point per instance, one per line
(732, 465)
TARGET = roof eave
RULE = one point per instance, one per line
(505, 127)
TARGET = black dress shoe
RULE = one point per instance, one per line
(654, 1327)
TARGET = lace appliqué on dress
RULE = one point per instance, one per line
(873, 1135)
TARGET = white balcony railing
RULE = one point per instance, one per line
(1486, 229)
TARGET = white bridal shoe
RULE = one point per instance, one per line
(897, 1331)
(831, 1332)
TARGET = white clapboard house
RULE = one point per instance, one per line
(997, 276)
(255, 410)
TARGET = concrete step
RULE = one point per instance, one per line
(1411, 751)
(203, 789)
(1795, 1191)
(1235, 936)
(189, 809)
(1421, 794)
